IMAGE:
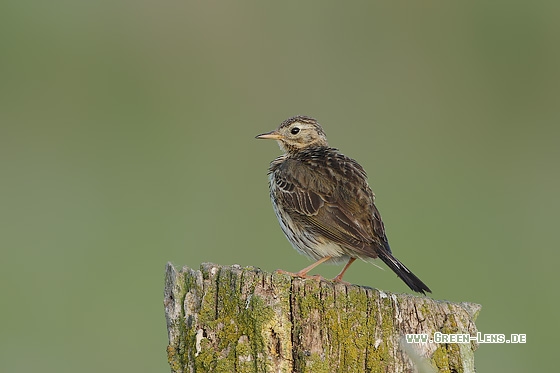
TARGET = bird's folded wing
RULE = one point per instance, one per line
(333, 212)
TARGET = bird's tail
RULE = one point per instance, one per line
(404, 273)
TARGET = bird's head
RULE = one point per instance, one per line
(297, 133)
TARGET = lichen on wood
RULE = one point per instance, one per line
(235, 319)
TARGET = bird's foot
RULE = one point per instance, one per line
(338, 280)
(300, 275)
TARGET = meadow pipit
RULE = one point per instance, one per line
(324, 203)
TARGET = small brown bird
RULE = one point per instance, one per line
(324, 203)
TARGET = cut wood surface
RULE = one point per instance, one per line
(242, 319)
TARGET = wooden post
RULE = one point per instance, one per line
(234, 319)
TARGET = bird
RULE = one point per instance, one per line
(325, 205)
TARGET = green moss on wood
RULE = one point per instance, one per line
(237, 319)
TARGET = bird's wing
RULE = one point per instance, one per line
(379, 228)
(337, 204)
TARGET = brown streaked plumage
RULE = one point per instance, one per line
(324, 203)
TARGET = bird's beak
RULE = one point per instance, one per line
(274, 135)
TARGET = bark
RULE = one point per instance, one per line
(234, 319)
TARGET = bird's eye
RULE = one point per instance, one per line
(295, 130)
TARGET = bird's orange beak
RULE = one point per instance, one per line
(274, 135)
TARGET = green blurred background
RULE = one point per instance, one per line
(127, 140)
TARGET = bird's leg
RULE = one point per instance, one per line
(303, 272)
(338, 277)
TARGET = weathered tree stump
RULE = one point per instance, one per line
(234, 319)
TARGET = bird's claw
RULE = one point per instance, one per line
(301, 275)
(337, 280)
